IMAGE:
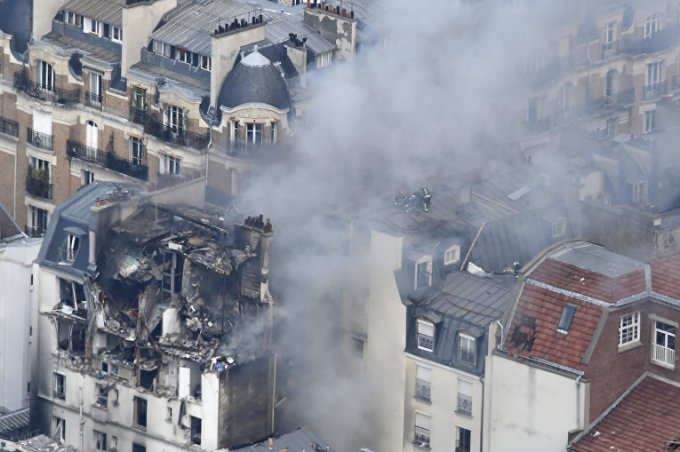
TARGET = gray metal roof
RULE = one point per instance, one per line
(16, 420)
(281, 25)
(300, 440)
(191, 25)
(597, 259)
(108, 11)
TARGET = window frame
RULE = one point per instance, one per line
(633, 326)
(463, 399)
(422, 431)
(72, 247)
(59, 380)
(100, 441)
(422, 335)
(58, 422)
(136, 148)
(423, 386)
(566, 318)
(452, 255)
(171, 165)
(427, 261)
(668, 360)
(467, 344)
(459, 439)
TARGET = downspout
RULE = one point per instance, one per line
(499, 346)
(14, 196)
(578, 400)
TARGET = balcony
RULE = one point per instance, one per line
(38, 183)
(106, 159)
(654, 90)
(610, 49)
(252, 150)
(34, 232)
(127, 167)
(23, 83)
(85, 153)
(9, 127)
(39, 139)
(609, 102)
(94, 100)
(137, 115)
(661, 40)
(174, 135)
(464, 405)
(663, 355)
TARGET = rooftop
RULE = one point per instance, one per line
(300, 440)
(644, 418)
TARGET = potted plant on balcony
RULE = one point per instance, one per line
(38, 182)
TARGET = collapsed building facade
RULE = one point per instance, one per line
(155, 326)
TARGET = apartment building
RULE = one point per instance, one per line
(587, 328)
(155, 325)
(155, 93)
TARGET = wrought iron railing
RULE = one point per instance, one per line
(34, 232)
(48, 92)
(252, 150)
(422, 437)
(94, 99)
(39, 139)
(9, 127)
(175, 135)
(38, 183)
(109, 160)
(85, 153)
(464, 404)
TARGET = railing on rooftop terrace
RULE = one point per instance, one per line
(9, 127)
(174, 135)
(22, 82)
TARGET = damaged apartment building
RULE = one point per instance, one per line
(155, 92)
(155, 326)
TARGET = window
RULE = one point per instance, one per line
(59, 381)
(161, 48)
(663, 349)
(116, 34)
(559, 227)
(423, 378)
(640, 193)
(41, 165)
(72, 245)
(59, 429)
(274, 133)
(610, 86)
(183, 55)
(654, 79)
(423, 274)
(452, 255)
(567, 317)
(234, 134)
(422, 435)
(650, 121)
(467, 351)
(91, 139)
(171, 165)
(102, 396)
(173, 118)
(139, 412)
(74, 19)
(651, 25)
(46, 76)
(86, 177)
(138, 448)
(629, 328)
(206, 63)
(95, 94)
(565, 97)
(464, 404)
(99, 441)
(136, 151)
(195, 430)
(463, 439)
(425, 337)
(254, 133)
(37, 220)
(609, 30)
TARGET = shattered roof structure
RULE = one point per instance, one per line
(643, 418)
(42, 443)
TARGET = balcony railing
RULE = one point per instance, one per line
(252, 150)
(38, 183)
(174, 134)
(34, 232)
(654, 90)
(124, 166)
(50, 93)
(609, 49)
(9, 127)
(663, 355)
(138, 115)
(661, 40)
(40, 140)
(85, 153)
(106, 159)
(616, 101)
(464, 404)
(94, 100)
(422, 437)
(423, 390)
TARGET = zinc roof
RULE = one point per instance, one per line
(108, 11)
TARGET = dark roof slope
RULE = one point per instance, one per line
(645, 419)
(299, 440)
(254, 80)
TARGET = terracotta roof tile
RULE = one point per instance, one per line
(666, 276)
(590, 283)
(545, 307)
(644, 420)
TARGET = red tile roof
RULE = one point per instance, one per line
(644, 420)
(546, 307)
(589, 283)
(666, 276)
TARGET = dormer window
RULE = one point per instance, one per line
(567, 317)
(423, 275)
(651, 25)
(116, 34)
(72, 246)
(425, 335)
(452, 255)
(467, 350)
